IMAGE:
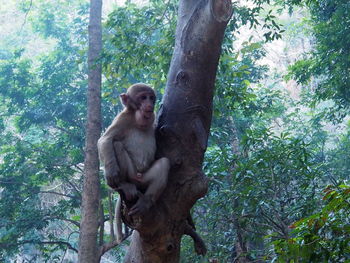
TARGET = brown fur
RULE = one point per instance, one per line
(127, 151)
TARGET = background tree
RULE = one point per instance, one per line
(88, 247)
(42, 93)
(323, 235)
(326, 66)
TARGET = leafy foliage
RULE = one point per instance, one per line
(265, 191)
(321, 237)
(42, 136)
(328, 64)
(138, 44)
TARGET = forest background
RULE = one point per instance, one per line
(278, 157)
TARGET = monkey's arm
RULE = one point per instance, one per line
(107, 153)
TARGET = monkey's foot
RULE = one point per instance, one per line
(142, 206)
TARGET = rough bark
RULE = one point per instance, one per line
(88, 247)
(183, 126)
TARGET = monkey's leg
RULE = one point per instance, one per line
(155, 180)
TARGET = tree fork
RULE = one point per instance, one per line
(182, 133)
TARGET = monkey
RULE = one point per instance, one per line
(127, 151)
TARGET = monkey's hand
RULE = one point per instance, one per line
(112, 175)
(142, 205)
(130, 191)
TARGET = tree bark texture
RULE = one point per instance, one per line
(88, 247)
(182, 131)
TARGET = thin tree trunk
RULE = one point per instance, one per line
(240, 244)
(182, 133)
(88, 247)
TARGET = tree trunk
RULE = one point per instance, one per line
(88, 247)
(183, 127)
(240, 243)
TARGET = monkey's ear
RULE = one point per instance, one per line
(124, 99)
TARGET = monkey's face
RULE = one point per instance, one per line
(145, 112)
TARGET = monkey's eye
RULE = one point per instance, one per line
(143, 97)
(152, 98)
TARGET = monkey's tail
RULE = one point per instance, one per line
(118, 219)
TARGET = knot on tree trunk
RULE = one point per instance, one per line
(221, 10)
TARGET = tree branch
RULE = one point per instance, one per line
(49, 243)
(26, 14)
(76, 223)
(57, 193)
(107, 246)
(110, 210)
